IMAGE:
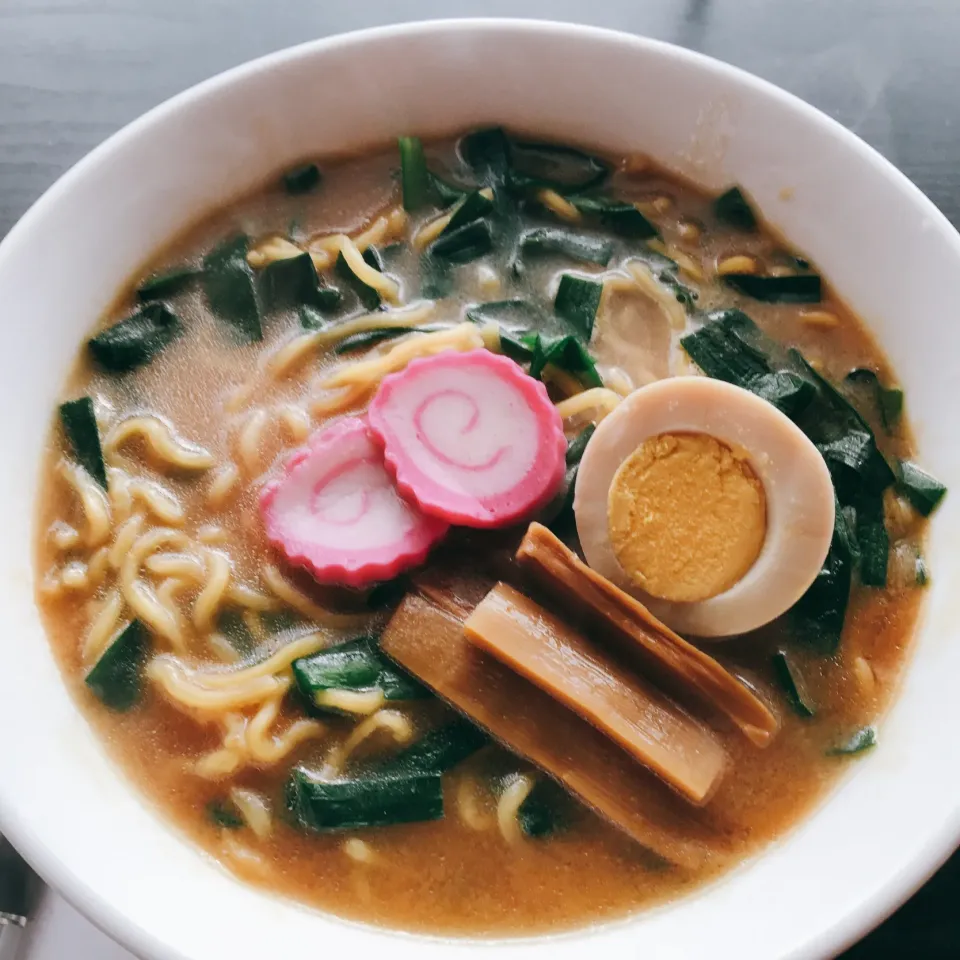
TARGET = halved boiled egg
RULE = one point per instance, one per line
(706, 503)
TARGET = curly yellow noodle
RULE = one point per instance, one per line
(276, 663)
(361, 702)
(359, 850)
(212, 534)
(296, 351)
(118, 491)
(98, 566)
(224, 650)
(266, 750)
(250, 440)
(385, 228)
(295, 421)
(162, 442)
(272, 249)
(339, 403)
(387, 287)
(102, 627)
(255, 809)
(300, 602)
(63, 536)
(158, 500)
(644, 279)
(244, 596)
(74, 577)
(369, 373)
(222, 484)
(218, 573)
(140, 597)
(126, 534)
(468, 806)
(390, 721)
(559, 205)
(429, 232)
(509, 804)
(183, 688)
(598, 400)
(183, 566)
(93, 502)
(167, 594)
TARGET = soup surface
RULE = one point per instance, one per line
(210, 722)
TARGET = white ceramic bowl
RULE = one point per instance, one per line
(885, 247)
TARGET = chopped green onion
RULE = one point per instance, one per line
(798, 288)
(577, 302)
(232, 625)
(356, 666)
(792, 683)
(80, 426)
(223, 814)
(565, 353)
(231, 288)
(464, 244)
(474, 206)
(370, 338)
(873, 542)
(116, 679)
(369, 297)
(733, 208)
(137, 339)
(294, 282)
(302, 179)
(414, 177)
(487, 152)
(888, 400)
(161, 286)
(624, 219)
(364, 801)
(439, 750)
(567, 243)
(446, 193)
(922, 490)
(862, 740)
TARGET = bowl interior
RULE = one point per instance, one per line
(880, 242)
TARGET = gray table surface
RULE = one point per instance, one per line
(74, 71)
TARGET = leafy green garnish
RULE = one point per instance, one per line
(223, 814)
(302, 179)
(733, 208)
(565, 353)
(439, 750)
(368, 296)
(474, 206)
(863, 739)
(922, 490)
(577, 302)
(792, 683)
(464, 244)
(888, 400)
(116, 679)
(446, 193)
(624, 219)
(80, 427)
(161, 286)
(294, 282)
(568, 243)
(231, 288)
(798, 288)
(137, 339)
(414, 176)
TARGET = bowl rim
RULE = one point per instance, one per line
(828, 941)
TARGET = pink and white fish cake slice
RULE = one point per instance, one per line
(335, 510)
(470, 437)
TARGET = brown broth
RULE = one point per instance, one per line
(447, 876)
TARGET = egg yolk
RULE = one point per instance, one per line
(687, 516)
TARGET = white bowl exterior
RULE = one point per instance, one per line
(883, 245)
